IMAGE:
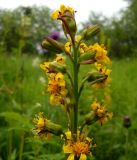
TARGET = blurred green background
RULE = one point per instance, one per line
(22, 83)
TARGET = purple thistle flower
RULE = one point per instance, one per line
(126, 121)
(55, 35)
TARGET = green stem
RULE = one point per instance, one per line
(82, 86)
(75, 113)
(21, 145)
(70, 78)
(82, 127)
(10, 144)
(126, 149)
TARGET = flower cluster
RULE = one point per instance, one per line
(56, 83)
(101, 113)
(65, 87)
(57, 88)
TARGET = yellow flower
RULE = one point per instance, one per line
(104, 71)
(45, 66)
(101, 112)
(83, 48)
(78, 38)
(62, 11)
(80, 148)
(68, 46)
(40, 122)
(55, 99)
(101, 53)
(60, 59)
(57, 88)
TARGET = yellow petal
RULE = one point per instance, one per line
(78, 38)
(71, 157)
(63, 8)
(67, 149)
(83, 157)
(68, 135)
(68, 47)
(55, 14)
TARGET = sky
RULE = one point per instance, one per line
(83, 7)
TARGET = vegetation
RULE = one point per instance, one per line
(22, 83)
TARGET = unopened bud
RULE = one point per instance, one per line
(54, 128)
(126, 121)
(52, 45)
(94, 77)
(69, 24)
(86, 56)
(90, 118)
(58, 67)
(90, 31)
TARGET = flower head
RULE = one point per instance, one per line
(101, 112)
(40, 122)
(60, 59)
(55, 35)
(45, 66)
(81, 148)
(101, 53)
(62, 11)
(105, 72)
(68, 46)
(57, 88)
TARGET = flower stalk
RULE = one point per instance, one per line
(65, 88)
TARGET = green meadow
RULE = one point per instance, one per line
(23, 94)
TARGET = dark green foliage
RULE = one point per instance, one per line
(13, 29)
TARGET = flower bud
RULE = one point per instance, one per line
(95, 77)
(126, 121)
(69, 24)
(86, 56)
(90, 31)
(52, 45)
(53, 128)
(58, 67)
(90, 118)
